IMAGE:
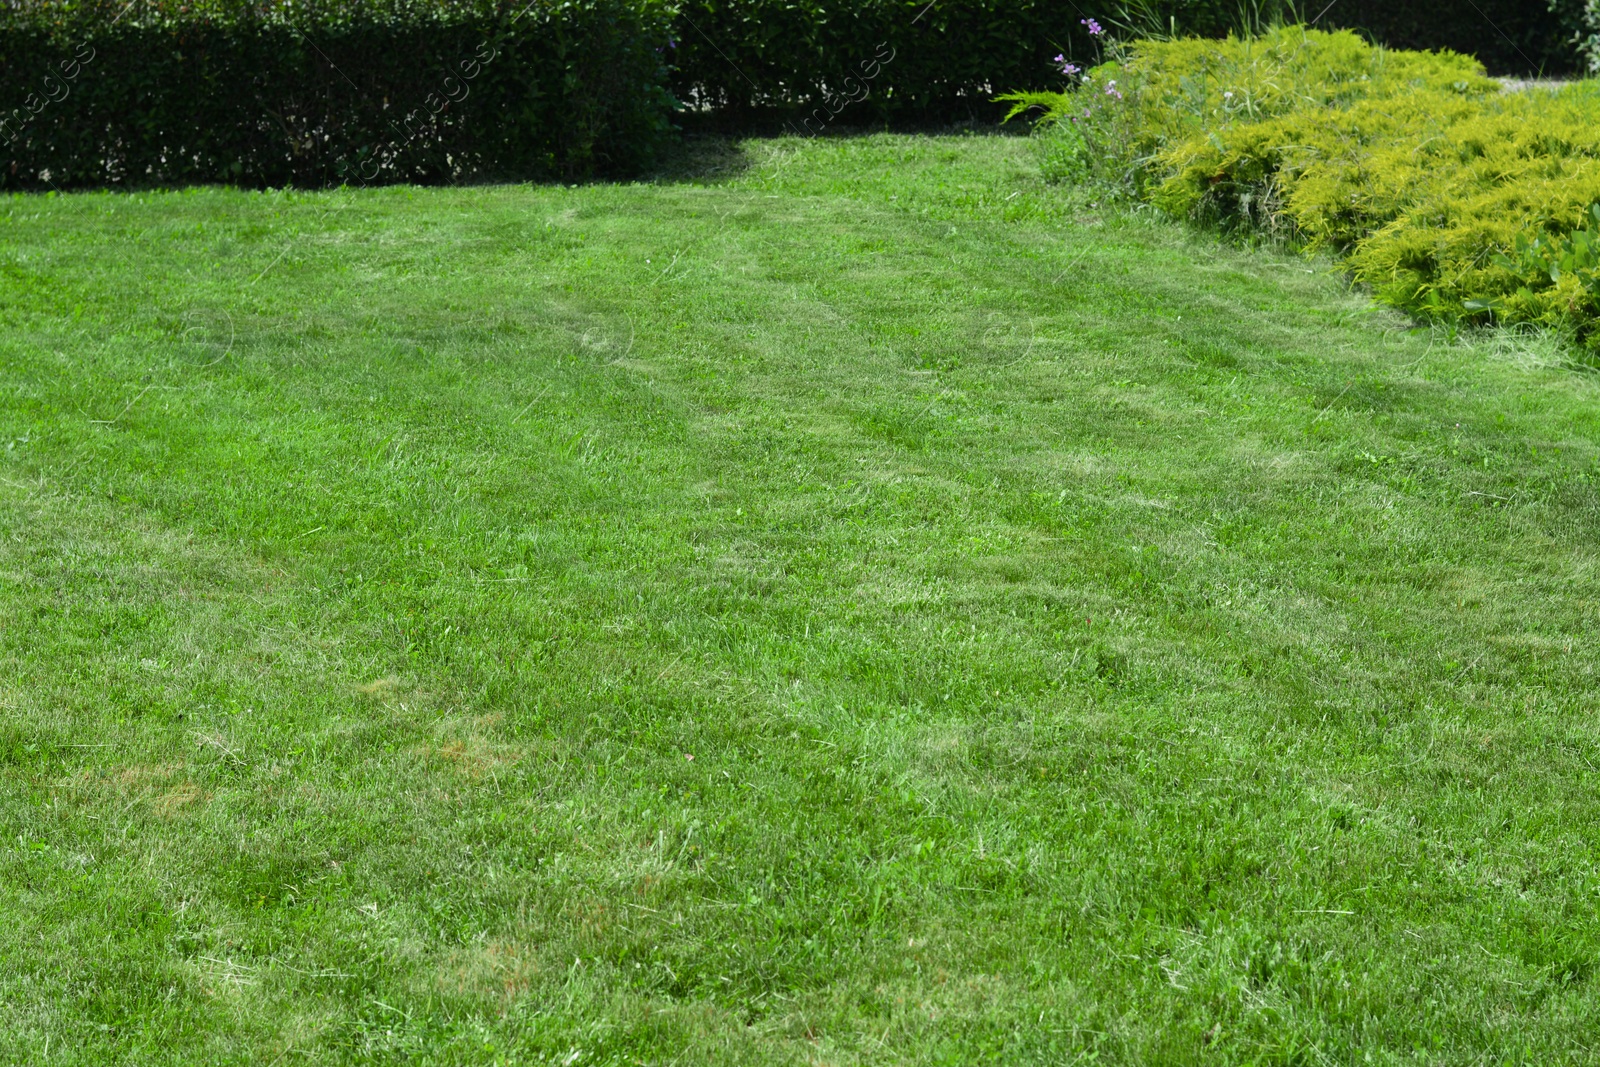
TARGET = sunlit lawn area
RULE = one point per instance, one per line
(847, 603)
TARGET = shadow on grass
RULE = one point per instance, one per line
(708, 150)
(708, 155)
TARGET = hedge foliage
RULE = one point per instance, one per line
(280, 92)
(886, 59)
(1447, 195)
(810, 59)
(1520, 37)
(1589, 36)
(321, 91)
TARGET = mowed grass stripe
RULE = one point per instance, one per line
(860, 606)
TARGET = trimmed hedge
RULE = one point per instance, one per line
(274, 94)
(1521, 37)
(888, 59)
(803, 61)
(279, 92)
(1507, 36)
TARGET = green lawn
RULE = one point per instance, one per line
(849, 603)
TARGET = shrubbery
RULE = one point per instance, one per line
(799, 59)
(887, 59)
(1448, 196)
(319, 91)
(1589, 35)
(1509, 36)
(280, 92)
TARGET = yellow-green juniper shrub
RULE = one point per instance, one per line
(1419, 169)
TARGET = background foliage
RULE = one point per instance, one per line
(1589, 36)
(1509, 36)
(281, 94)
(1451, 197)
(750, 59)
(792, 59)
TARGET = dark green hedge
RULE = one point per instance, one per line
(891, 59)
(1518, 37)
(279, 92)
(871, 61)
(285, 95)
(1510, 36)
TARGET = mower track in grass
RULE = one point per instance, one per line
(859, 605)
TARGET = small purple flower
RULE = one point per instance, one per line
(1094, 27)
(1112, 90)
(1068, 69)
